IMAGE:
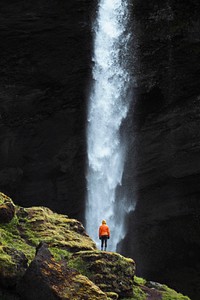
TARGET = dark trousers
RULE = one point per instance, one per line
(104, 241)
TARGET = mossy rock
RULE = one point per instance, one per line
(7, 209)
(110, 271)
(13, 266)
(170, 294)
(28, 227)
(48, 279)
(38, 224)
(143, 290)
(106, 275)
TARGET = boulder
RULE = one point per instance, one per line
(110, 271)
(47, 279)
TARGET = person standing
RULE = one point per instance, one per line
(104, 234)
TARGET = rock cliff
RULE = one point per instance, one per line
(45, 255)
(165, 153)
(45, 59)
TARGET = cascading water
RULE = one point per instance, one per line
(108, 107)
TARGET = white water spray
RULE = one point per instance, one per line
(108, 107)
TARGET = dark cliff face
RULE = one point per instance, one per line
(164, 230)
(45, 57)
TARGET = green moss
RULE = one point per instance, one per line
(12, 226)
(64, 236)
(32, 225)
(41, 224)
(60, 254)
(10, 237)
(139, 280)
(6, 260)
(169, 294)
(80, 265)
(138, 293)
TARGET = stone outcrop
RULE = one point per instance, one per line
(47, 279)
(110, 271)
(44, 255)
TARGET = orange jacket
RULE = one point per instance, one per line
(104, 230)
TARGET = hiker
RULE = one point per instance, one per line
(104, 234)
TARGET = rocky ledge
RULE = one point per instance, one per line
(45, 255)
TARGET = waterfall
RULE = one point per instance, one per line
(108, 107)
